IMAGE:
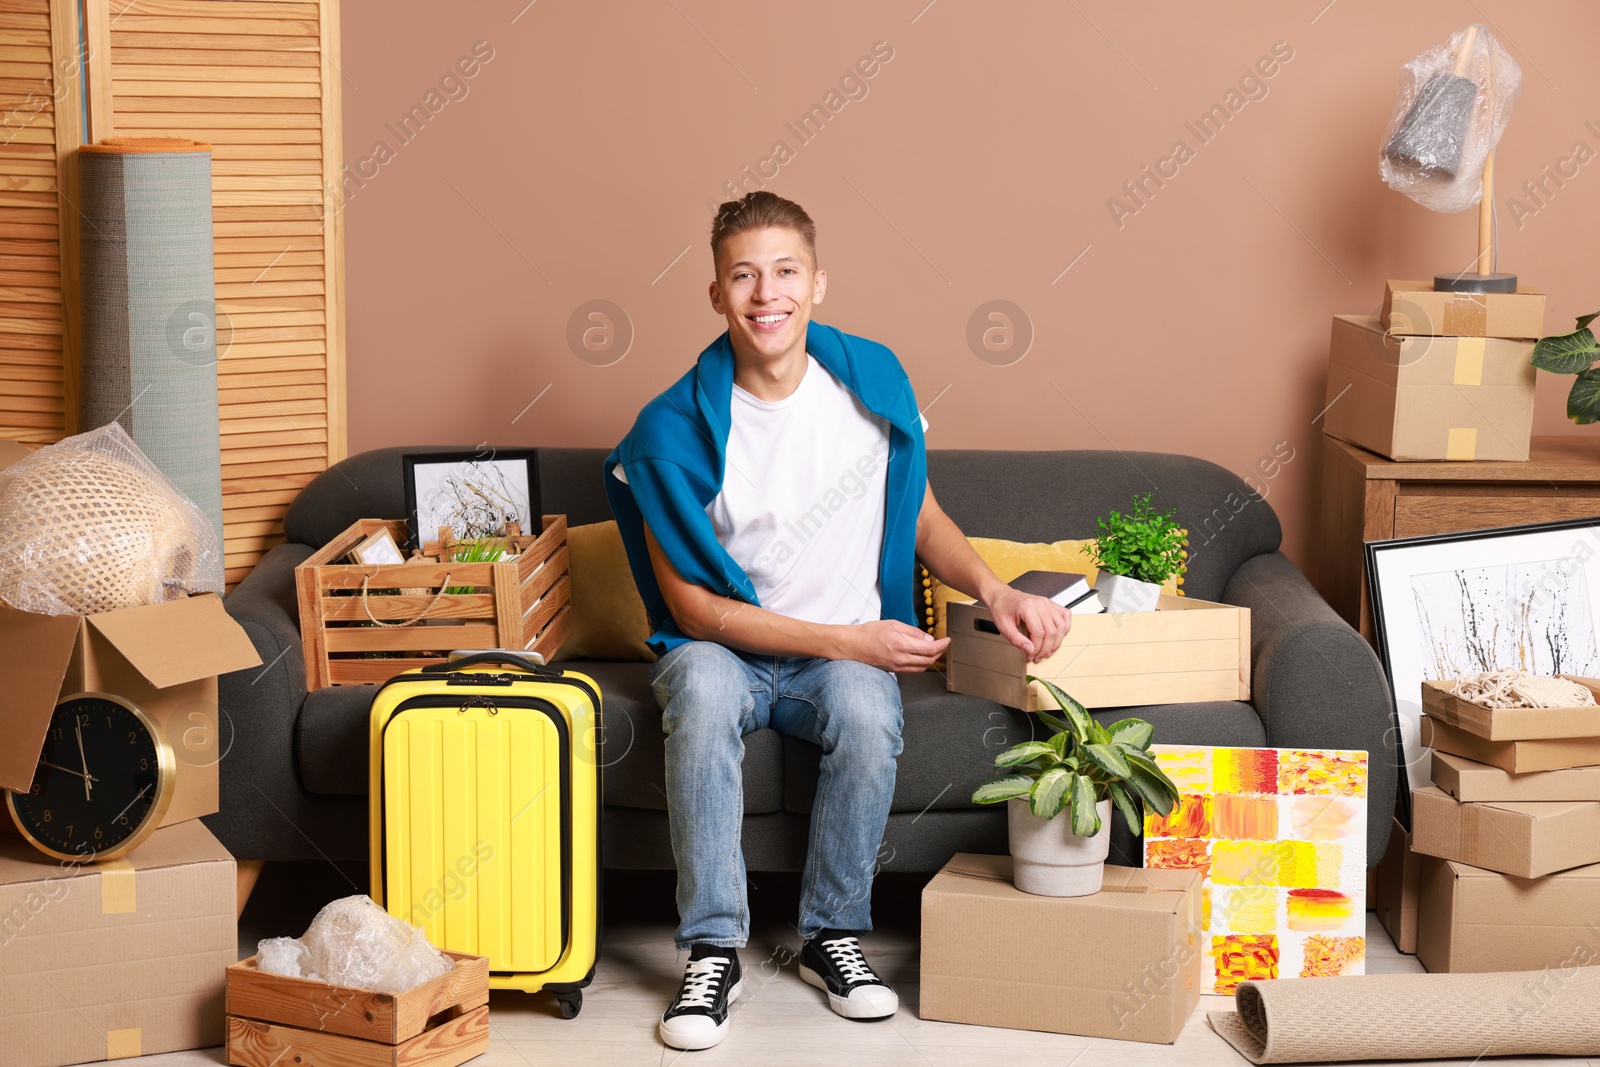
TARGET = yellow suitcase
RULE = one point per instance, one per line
(484, 804)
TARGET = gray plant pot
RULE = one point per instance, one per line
(1049, 860)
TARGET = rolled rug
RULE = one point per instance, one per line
(1553, 1012)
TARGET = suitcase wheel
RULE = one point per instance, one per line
(570, 1003)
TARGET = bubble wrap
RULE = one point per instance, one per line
(1454, 103)
(89, 524)
(354, 942)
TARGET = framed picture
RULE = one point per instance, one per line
(473, 493)
(378, 550)
(1444, 605)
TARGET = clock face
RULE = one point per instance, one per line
(103, 782)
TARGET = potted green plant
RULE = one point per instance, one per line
(1080, 771)
(1574, 353)
(1136, 552)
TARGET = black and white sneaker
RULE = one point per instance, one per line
(698, 1016)
(832, 961)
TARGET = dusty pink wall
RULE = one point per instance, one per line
(577, 163)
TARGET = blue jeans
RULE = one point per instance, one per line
(710, 697)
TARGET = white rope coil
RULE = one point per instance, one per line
(1519, 689)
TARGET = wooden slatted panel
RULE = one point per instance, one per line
(258, 81)
(34, 389)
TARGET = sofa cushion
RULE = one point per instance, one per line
(608, 616)
(1048, 496)
(951, 740)
(332, 743)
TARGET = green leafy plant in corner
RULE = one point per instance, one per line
(1144, 544)
(478, 550)
(1574, 353)
(1080, 764)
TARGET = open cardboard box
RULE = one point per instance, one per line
(1512, 724)
(164, 658)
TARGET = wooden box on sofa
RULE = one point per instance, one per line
(1187, 650)
(425, 609)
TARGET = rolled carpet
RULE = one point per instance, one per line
(1554, 1012)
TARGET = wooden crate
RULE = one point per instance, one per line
(1187, 650)
(276, 1020)
(522, 604)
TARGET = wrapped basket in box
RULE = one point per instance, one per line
(363, 623)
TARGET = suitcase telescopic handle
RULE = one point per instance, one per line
(532, 662)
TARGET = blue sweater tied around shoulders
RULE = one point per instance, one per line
(675, 456)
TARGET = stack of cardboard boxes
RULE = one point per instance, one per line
(1507, 840)
(1437, 376)
(124, 957)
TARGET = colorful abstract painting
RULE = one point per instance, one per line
(1280, 839)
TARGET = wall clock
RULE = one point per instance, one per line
(104, 780)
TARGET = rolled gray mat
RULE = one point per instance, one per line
(1553, 1012)
(149, 308)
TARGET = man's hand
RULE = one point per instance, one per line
(1032, 623)
(892, 645)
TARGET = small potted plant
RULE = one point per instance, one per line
(1574, 353)
(1136, 552)
(1079, 772)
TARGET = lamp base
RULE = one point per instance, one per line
(1474, 283)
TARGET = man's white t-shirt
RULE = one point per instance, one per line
(802, 501)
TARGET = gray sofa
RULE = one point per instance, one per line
(294, 777)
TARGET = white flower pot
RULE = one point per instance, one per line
(1049, 860)
(1121, 593)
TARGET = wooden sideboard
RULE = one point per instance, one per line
(1366, 497)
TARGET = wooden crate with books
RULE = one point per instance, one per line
(366, 622)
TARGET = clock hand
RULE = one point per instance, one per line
(67, 770)
(84, 759)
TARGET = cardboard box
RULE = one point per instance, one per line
(1123, 963)
(164, 658)
(1512, 724)
(1395, 889)
(1465, 779)
(1415, 308)
(1185, 651)
(1470, 919)
(119, 959)
(1526, 838)
(1429, 398)
(1518, 757)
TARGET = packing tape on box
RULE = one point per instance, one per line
(118, 890)
(124, 1044)
(1461, 443)
(1472, 827)
(1467, 314)
(1469, 361)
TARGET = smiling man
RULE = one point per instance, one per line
(773, 502)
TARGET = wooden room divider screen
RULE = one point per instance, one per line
(260, 83)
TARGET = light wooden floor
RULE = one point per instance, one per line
(780, 1021)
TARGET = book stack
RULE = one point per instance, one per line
(1508, 835)
(1069, 590)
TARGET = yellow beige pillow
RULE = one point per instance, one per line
(608, 617)
(1008, 560)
